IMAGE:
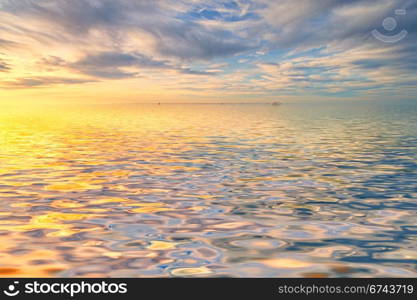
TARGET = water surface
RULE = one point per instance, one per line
(209, 190)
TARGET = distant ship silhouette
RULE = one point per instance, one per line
(276, 103)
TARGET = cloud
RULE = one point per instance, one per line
(171, 35)
(197, 72)
(305, 23)
(7, 44)
(192, 41)
(110, 64)
(117, 65)
(4, 67)
(351, 71)
(265, 46)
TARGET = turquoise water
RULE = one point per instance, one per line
(323, 190)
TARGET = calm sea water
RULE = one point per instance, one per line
(209, 190)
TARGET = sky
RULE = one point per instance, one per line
(207, 50)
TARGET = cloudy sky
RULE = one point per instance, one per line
(207, 50)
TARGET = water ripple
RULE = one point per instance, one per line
(209, 190)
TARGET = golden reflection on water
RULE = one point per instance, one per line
(207, 190)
